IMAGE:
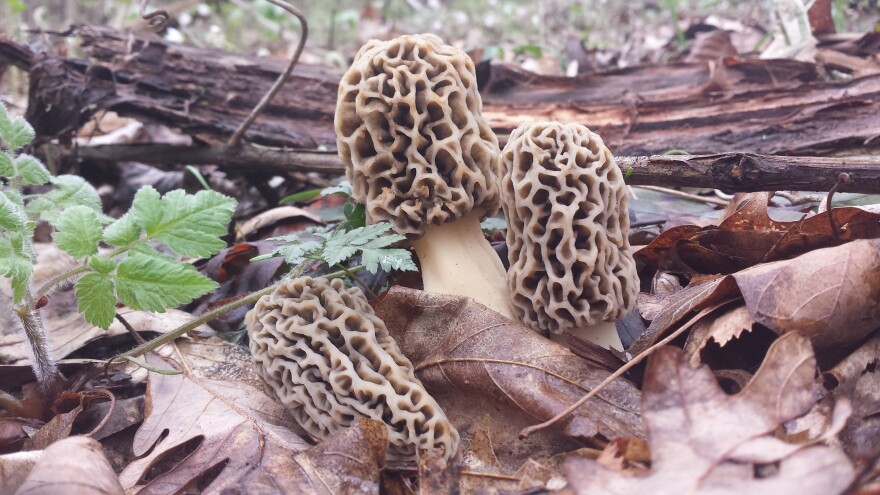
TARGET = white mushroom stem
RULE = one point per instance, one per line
(603, 334)
(457, 259)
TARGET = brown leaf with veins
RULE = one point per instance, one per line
(857, 378)
(242, 433)
(747, 237)
(704, 441)
(476, 362)
(73, 466)
(830, 295)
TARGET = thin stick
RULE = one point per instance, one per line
(210, 315)
(157, 19)
(239, 133)
(350, 274)
(620, 372)
(136, 336)
(682, 194)
(842, 178)
(109, 414)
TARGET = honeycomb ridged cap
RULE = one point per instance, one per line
(410, 130)
(565, 201)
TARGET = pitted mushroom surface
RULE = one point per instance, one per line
(409, 127)
(420, 155)
(331, 361)
(566, 206)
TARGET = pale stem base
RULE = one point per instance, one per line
(603, 334)
(456, 259)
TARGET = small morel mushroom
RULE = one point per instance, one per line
(565, 201)
(420, 155)
(331, 361)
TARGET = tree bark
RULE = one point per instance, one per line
(773, 107)
(733, 172)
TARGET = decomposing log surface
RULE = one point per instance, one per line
(760, 106)
(739, 110)
(735, 172)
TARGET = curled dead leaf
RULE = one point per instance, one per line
(474, 361)
(75, 466)
(703, 441)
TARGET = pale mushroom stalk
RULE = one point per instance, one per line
(456, 259)
(420, 155)
(603, 334)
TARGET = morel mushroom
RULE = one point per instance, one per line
(420, 155)
(331, 361)
(565, 201)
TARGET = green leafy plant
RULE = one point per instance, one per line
(140, 267)
(339, 245)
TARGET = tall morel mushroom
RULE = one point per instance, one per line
(565, 201)
(420, 155)
(331, 361)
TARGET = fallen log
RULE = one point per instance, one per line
(762, 106)
(732, 172)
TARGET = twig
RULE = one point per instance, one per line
(136, 336)
(210, 315)
(621, 371)
(842, 178)
(264, 102)
(109, 414)
(157, 19)
(355, 278)
(682, 194)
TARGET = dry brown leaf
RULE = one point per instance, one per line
(857, 378)
(221, 404)
(57, 428)
(476, 362)
(748, 237)
(242, 435)
(73, 466)
(682, 305)
(15, 467)
(704, 441)
(728, 326)
(830, 295)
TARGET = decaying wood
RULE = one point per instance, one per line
(735, 172)
(760, 106)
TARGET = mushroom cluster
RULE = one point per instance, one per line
(565, 201)
(331, 361)
(420, 155)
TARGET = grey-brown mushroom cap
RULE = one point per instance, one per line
(565, 201)
(409, 128)
(330, 360)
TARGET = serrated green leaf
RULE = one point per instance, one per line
(31, 170)
(96, 298)
(123, 232)
(341, 245)
(10, 214)
(16, 263)
(79, 231)
(6, 168)
(190, 224)
(17, 134)
(154, 284)
(295, 254)
(5, 122)
(388, 259)
(146, 209)
(102, 265)
(69, 190)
